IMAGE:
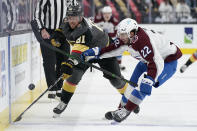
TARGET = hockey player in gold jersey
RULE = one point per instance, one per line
(82, 34)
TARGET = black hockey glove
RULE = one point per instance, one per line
(58, 38)
(67, 69)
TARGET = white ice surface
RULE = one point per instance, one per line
(171, 107)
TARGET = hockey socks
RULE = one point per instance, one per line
(66, 96)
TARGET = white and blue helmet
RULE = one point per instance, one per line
(126, 26)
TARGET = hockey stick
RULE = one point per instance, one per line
(50, 87)
(40, 39)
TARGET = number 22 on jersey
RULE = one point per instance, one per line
(145, 51)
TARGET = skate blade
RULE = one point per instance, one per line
(114, 123)
(56, 115)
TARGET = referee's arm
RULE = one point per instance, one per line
(39, 14)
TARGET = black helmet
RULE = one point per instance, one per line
(74, 10)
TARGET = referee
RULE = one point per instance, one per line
(49, 15)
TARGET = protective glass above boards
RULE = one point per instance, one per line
(16, 15)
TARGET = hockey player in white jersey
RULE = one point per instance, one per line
(109, 23)
(157, 63)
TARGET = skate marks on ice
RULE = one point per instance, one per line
(152, 115)
(173, 105)
(72, 121)
(89, 116)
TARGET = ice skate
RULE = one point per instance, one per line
(59, 109)
(109, 115)
(120, 114)
(51, 94)
(59, 93)
(136, 110)
(183, 68)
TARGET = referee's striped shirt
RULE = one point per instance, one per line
(49, 14)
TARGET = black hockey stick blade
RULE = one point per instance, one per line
(51, 86)
(18, 118)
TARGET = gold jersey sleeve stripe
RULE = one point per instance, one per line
(80, 47)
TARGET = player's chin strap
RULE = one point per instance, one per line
(39, 38)
(134, 38)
